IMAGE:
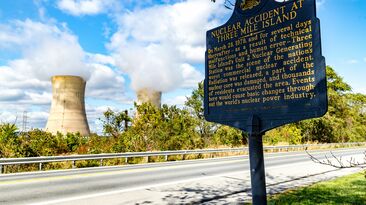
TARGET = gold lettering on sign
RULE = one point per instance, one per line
(263, 59)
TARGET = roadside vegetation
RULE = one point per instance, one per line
(348, 190)
(174, 128)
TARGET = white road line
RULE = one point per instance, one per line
(87, 196)
(134, 189)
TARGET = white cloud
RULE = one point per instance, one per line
(36, 119)
(22, 32)
(87, 7)
(195, 54)
(48, 49)
(156, 46)
(11, 95)
(101, 59)
(191, 76)
(359, 89)
(17, 88)
(105, 84)
(352, 61)
(43, 98)
(15, 78)
(320, 3)
(22, 116)
(153, 43)
(178, 100)
(25, 120)
(8, 117)
(182, 24)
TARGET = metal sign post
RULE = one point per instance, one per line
(264, 69)
(257, 172)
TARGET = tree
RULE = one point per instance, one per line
(228, 136)
(115, 122)
(338, 162)
(290, 133)
(335, 82)
(227, 3)
(165, 128)
(9, 140)
(345, 120)
(195, 104)
(338, 124)
(223, 135)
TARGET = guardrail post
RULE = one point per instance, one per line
(166, 157)
(1, 168)
(73, 164)
(126, 160)
(101, 162)
(40, 166)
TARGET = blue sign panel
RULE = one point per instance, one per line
(266, 61)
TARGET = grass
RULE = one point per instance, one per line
(348, 190)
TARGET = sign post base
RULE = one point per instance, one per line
(257, 172)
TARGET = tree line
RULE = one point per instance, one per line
(176, 128)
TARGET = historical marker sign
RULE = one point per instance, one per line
(266, 61)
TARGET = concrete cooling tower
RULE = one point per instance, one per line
(68, 108)
(147, 95)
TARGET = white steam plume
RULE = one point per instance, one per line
(154, 45)
(154, 66)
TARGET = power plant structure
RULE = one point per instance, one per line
(148, 95)
(67, 114)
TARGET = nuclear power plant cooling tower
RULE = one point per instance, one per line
(147, 95)
(68, 108)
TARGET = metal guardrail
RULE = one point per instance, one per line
(126, 156)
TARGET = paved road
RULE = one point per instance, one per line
(159, 183)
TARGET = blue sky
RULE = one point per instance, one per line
(343, 24)
(121, 46)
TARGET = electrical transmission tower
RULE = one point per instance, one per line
(25, 121)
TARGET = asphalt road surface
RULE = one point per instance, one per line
(207, 181)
